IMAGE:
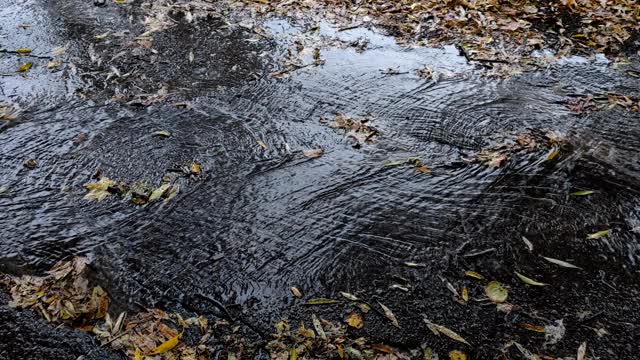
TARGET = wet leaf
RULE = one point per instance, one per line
(428, 353)
(317, 325)
(162, 133)
(474, 275)
(25, 67)
(102, 36)
(383, 348)
(293, 353)
(457, 355)
(598, 235)
(167, 345)
(394, 163)
(296, 292)
(355, 320)
(320, 301)
(582, 351)
(415, 265)
(529, 281)
(138, 354)
(349, 297)
(552, 154)
(439, 329)
(195, 168)
(582, 193)
(54, 64)
(496, 292)
(98, 191)
(561, 263)
(465, 294)
(364, 307)
(262, 144)
(528, 243)
(313, 153)
(23, 51)
(530, 327)
(157, 193)
(389, 314)
(30, 164)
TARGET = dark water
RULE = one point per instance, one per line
(263, 220)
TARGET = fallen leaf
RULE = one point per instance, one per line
(320, 301)
(262, 144)
(457, 355)
(439, 329)
(102, 36)
(428, 353)
(167, 345)
(474, 275)
(23, 51)
(582, 351)
(582, 193)
(529, 281)
(561, 263)
(364, 307)
(415, 265)
(160, 191)
(99, 190)
(25, 67)
(355, 320)
(314, 153)
(349, 297)
(389, 314)
(138, 354)
(598, 235)
(383, 348)
(528, 243)
(318, 326)
(496, 292)
(54, 64)
(161, 133)
(296, 292)
(293, 353)
(465, 294)
(195, 168)
(530, 327)
(552, 154)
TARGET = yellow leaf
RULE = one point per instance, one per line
(474, 275)
(162, 133)
(25, 67)
(582, 193)
(138, 354)
(465, 294)
(99, 190)
(529, 281)
(293, 354)
(157, 193)
(383, 348)
(457, 355)
(597, 235)
(195, 168)
(355, 320)
(23, 51)
(552, 154)
(102, 36)
(496, 292)
(167, 345)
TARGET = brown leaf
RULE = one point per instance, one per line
(389, 314)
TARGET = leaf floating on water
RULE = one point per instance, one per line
(598, 235)
(23, 51)
(561, 263)
(415, 265)
(552, 154)
(528, 243)
(582, 193)
(54, 64)
(530, 327)
(465, 294)
(157, 193)
(355, 320)
(349, 297)
(162, 133)
(529, 281)
(138, 354)
(102, 36)
(293, 353)
(320, 301)
(428, 353)
(313, 153)
(457, 355)
(296, 292)
(364, 307)
(318, 326)
(99, 190)
(394, 163)
(25, 67)
(195, 168)
(262, 144)
(582, 351)
(439, 329)
(389, 314)
(383, 348)
(167, 345)
(474, 275)
(496, 292)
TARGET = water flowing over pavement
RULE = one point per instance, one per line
(263, 217)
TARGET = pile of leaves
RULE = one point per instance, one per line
(357, 130)
(493, 32)
(531, 142)
(61, 296)
(603, 102)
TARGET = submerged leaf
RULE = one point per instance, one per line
(598, 235)
(355, 320)
(552, 154)
(561, 263)
(389, 314)
(320, 301)
(496, 292)
(439, 329)
(157, 193)
(167, 345)
(529, 281)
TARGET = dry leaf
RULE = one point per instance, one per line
(474, 275)
(496, 292)
(162, 133)
(349, 297)
(138, 354)
(529, 281)
(99, 190)
(318, 326)
(383, 348)
(439, 329)
(262, 144)
(530, 327)
(582, 351)
(355, 320)
(465, 294)
(320, 301)
(389, 314)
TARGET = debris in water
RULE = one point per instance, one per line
(355, 320)
(389, 314)
(561, 263)
(25, 67)
(598, 235)
(529, 281)
(320, 301)
(439, 329)
(496, 292)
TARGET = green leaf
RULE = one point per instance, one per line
(582, 193)
(598, 235)
(529, 281)
(496, 292)
(25, 67)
